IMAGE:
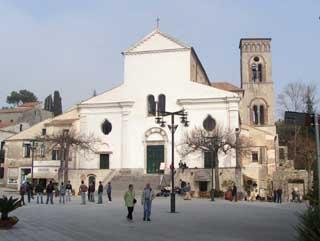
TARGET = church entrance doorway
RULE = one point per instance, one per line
(155, 155)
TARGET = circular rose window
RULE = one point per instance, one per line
(256, 59)
(106, 127)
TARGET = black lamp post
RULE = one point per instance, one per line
(209, 124)
(173, 127)
(33, 148)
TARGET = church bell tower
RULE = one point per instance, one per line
(257, 107)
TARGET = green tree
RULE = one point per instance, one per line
(57, 103)
(23, 96)
(48, 103)
(219, 139)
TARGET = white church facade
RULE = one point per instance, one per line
(158, 69)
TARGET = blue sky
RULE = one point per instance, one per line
(75, 46)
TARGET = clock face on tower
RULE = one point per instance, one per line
(106, 127)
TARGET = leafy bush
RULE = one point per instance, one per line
(7, 206)
(308, 228)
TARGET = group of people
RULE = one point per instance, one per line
(64, 190)
(232, 194)
(277, 195)
(90, 191)
(182, 165)
(146, 201)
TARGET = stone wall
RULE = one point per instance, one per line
(227, 176)
(288, 178)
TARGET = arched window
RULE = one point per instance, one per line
(151, 105)
(257, 69)
(258, 114)
(162, 103)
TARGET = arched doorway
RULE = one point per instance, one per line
(155, 149)
(91, 178)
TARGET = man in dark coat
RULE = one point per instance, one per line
(39, 192)
(279, 195)
(100, 193)
(109, 190)
(29, 190)
(92, 189)
(22, 193)
(234, 193)
(49, 191)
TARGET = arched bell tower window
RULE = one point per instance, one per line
(151, 105)
(162, 103)
(257, 70)
(258, 114)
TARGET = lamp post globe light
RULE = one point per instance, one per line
(172, 127)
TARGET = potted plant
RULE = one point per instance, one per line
(7, 205)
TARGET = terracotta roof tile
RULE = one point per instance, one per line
(226, 86)
(29, 104)
(21, 108)
(15, 110)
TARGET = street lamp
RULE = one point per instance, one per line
(209, 124)
(173, 127)
(238, 167)
(33, 148)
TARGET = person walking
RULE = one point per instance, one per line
(129, 200)
(234, 193)
(49, 192)
(146, 201)
(109, 190)
(279, 195)
(22, 193)
(29, 190)
(100, 192)
(275, 196)
(39, 192)
(187, 195)
(68, 192)
(62, 193)
(83, 189)
(92, 189)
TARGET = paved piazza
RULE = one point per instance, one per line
(196, 220)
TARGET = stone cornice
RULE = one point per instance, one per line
(195, 101)
(118, 104)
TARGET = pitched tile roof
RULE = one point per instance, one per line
(20, 108)
(226, 86)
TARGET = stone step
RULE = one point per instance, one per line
(121, 182)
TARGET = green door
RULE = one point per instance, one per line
(155, 155)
